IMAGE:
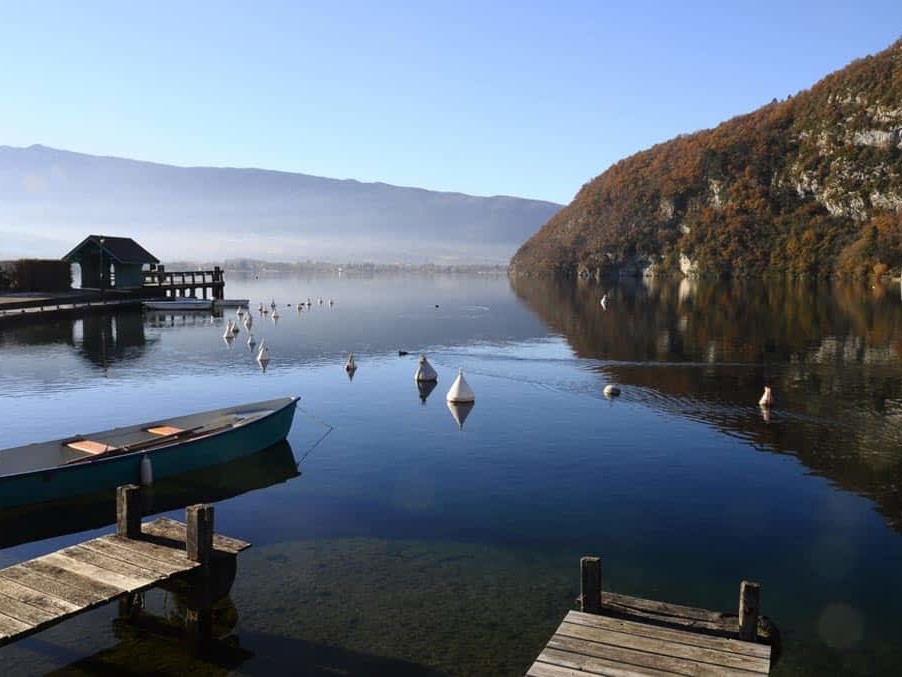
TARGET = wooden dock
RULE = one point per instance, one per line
(174, 284)
(47, 590)
(621, 636)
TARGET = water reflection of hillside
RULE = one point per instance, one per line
(705, 349)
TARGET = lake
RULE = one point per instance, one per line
(390, 538)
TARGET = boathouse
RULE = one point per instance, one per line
(111, 262)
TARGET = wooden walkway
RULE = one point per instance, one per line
(42, 592)
(589, 644)
(620, 635)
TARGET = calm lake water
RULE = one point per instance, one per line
(389, 539)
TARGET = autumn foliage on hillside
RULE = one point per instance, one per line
(811, 185)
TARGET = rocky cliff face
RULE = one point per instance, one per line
(809, 185)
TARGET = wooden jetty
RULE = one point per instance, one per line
(620, 635)
(44, 591)
(161, 282)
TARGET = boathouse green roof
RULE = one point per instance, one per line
(118, 249)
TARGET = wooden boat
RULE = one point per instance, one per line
(86, 464)
(231, 303)
(186, 303)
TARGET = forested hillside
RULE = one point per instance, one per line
(808, 185)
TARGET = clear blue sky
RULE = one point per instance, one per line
(517, 98)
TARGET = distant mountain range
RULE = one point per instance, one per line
(810, 185)
(50, 199)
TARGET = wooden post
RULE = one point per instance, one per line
(749, 606)
(590, 585)
(128, 511)
(199, 536)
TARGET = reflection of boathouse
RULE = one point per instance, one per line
(111, 262)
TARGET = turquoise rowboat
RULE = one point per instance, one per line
(87, 464)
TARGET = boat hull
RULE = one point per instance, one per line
(79, 479)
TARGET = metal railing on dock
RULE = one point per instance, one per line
(614, 634)
(47, 590)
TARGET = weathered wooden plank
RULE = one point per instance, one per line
(667, 634)
(60, 589)
(43, 600)
(594, 665)
(25, 613)
(127, 552)
(102, 560)
(162, 553)
(174, 530)
(89, 586)
(96, 574)
(652, 655)
(10, 626)
(669, 647)
(540, 669)
(628, 602)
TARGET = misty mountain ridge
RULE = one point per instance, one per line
(50, 199)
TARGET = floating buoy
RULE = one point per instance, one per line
(275, 316)
(321, 300)
(300, 306)
(235, 329)
(239, 312)
(331, 302)
(767, 399)
(251, 341)
(260, 307)
(227, 334)
(272, 304)
(263, 355)
(248, 321)
(424, 371)
(350, 365)
(604, 302)
(402, 353)
(460, 391)
(611, 391)
(146, 471)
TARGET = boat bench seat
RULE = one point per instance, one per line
(165, 430)
(90, 447)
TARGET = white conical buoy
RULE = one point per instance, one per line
(235, 329)
(146, 471)
(350, 365)
(424, 371)
(767, 399)
(611, 391)
(263, 354)
(251, 341)
(331, 302)
(300, 306)
(248, 321)
(227, 334)
(460, 391)
(260, 307)
(275, 316)
(239, 312)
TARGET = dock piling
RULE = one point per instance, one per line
(128, 511)
(749, 607)
(590, 585)
(199, 540)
